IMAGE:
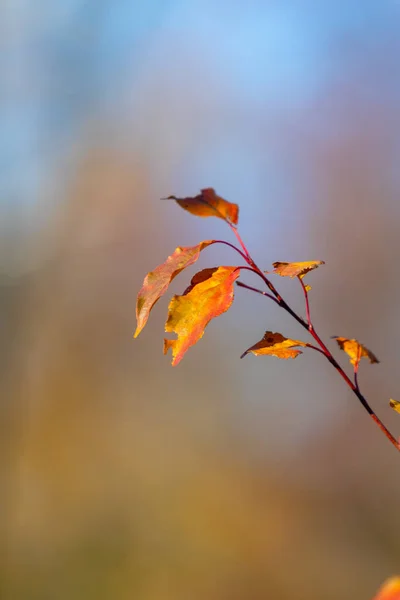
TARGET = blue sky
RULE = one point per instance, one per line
(64, 62)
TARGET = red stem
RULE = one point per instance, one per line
(253, 289)
(356, 368)
(354, 388)
(244, 256)
(308, 325)
(242, 244)
(306, 302)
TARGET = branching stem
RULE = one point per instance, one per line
(307, 303)
(242, 244)
(308, 325)
(244, 256)
(253, 289)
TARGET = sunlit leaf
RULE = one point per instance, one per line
(275, 344)
(355, 350)
(188, 315)
(199, 278)
(296, 269)
(395, 405)
(156, 282)
(390, 590)
(208, 204)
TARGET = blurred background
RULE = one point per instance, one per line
(120, 476)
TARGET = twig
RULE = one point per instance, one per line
(308, 325)
(253, 289)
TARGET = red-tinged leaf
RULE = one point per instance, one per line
(275, 344)
(296, 269)
(208, 204)
(355, 350)
(190, 314)
(156, 282)
(390, 590)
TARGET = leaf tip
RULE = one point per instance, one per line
(395, 405)
(390, 590)
(171, 344)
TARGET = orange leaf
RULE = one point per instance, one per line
(156, 282)
(199, 278)
(390, 590)
(296, 269)
(395, 405)
(275, 344)
(208, 204)
(355, 350)
(188, 315)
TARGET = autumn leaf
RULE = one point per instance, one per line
(395, 405)
(189, 315)
(275, 344)
(199, 278)
(390, 590)
(208, 204)
(296, 269)
(156, 282)
(355, 350)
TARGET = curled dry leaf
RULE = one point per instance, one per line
(295, 269)
(208, 204)
(275, 344)
(189, 315)
(394, 404)
(156, 282)
(355, 350)
(390, 590)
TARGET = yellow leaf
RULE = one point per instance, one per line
(390, 590)
(199, 278)
(355, 350)
(156, 282)
(295, 269)
(395, 405)
(208, 204)
(188, 315)
(275, 344)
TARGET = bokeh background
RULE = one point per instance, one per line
(122, 477)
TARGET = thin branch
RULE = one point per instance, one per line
(308, 315)
(386, 431)
(356, 368)
(354, 388)
(316, 348)
(252, 264)
(242, 244)
(231, 246)
(308, 325)
(257, 272)
(253, 289)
